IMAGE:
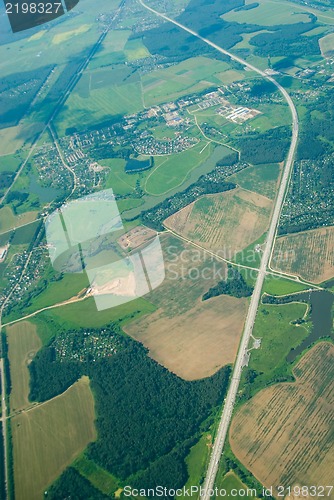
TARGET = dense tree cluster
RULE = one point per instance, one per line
(267, 147)
(150, 415)
(286, 40)
(172, 42)
(72, 485)
(234, 285)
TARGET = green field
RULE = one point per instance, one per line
(58, 291)
(9, 163)
(193, 75)
(24, 234)
(46, 439)
(99, 105)
(280, 286)
(278, 337)
(85, 314)
(273, 115)
(120, 182)
(197, 461)
(327, 45)
(261, 179)
(135, 49)
(268, 13)
(171, 171)
(8, 220)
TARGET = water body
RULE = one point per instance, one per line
(206, 167)
(321, 303)
(45, 194)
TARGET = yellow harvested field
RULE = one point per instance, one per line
(226, 223)
(47, 438)
(63, 37)
(23, 343)
(284, 434)
(195, 344)
(190, 337)
(309, 255)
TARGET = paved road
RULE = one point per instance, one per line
(256, 297)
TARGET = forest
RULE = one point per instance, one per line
(234, 285)
(72, 485)
(269, 147)
(149, 414)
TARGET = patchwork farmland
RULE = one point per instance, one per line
(284, 435)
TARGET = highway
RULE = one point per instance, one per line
(256, 297)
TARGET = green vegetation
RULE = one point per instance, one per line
(8, 220)
(274, 285)
(267, 14)
(127, 387)
(84, 314)
(206, 184)
(269, 147)
(275, 326)
(234, 285)
(73, 485)
(174, 169)
(231, 481)
(192, 75)
(59, 289)
(98, 477)
(261, 179)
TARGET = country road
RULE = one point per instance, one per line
(256, 297)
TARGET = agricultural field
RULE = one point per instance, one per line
(85, 315)
(327, 45)
(58, 291)
(268, 13)
(193, 75)
(184, 331)
(262, 179)
(309, 255)
(8, 220)
(47, 438)
(227, 222)
(9, 163)
(283, 435)
(99, 105)
(23, 343)
(171, 171)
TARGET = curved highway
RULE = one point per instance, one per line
(256, 297)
